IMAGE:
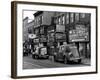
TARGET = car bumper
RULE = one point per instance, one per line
(75, 59)
(43, 56)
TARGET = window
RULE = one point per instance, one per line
(63, 19)
(42, 30)
(41, 19)
(35, 22)
(59, 20)
(76, 16)
(67, 18)
(82, 15)
(72, 17)
(55, 19)
(36, 31)
(38, 21)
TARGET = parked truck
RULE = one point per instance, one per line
(40, 52)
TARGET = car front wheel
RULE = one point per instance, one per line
(33, 56)
(54, 58)
(79, 61)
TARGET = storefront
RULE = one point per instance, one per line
(56, 36)
(80, 36)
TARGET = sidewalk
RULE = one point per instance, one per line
(86, 61)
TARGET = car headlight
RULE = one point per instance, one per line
(33, 53)
(70, 54)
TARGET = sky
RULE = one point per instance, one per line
(29, 14)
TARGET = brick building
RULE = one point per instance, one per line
(42, 21)
(25, 29)
(28, 28)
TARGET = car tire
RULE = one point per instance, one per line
(33, 56)
(65, 60)
(47, 57)
(79, 61)
(36, 56)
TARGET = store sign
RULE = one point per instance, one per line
(43, 39)
(60, 28)
(79, 35)
(60, 36)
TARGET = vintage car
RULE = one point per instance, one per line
(67, 53)
(40, 53)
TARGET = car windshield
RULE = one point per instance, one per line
(74, 51)
(68, 49)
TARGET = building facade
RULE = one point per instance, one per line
(76, 28)
(25, 29)
(57, 28)
(28, 28)
(42, 21)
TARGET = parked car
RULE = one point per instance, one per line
(67, 53)
(40, 53)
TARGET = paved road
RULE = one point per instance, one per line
(30, 63)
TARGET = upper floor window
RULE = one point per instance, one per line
(38, 21)
(67, 18)
(63, 19)
(71, 17)
(59, 20)
(76, 16)
(82, 15)
(41, 19)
